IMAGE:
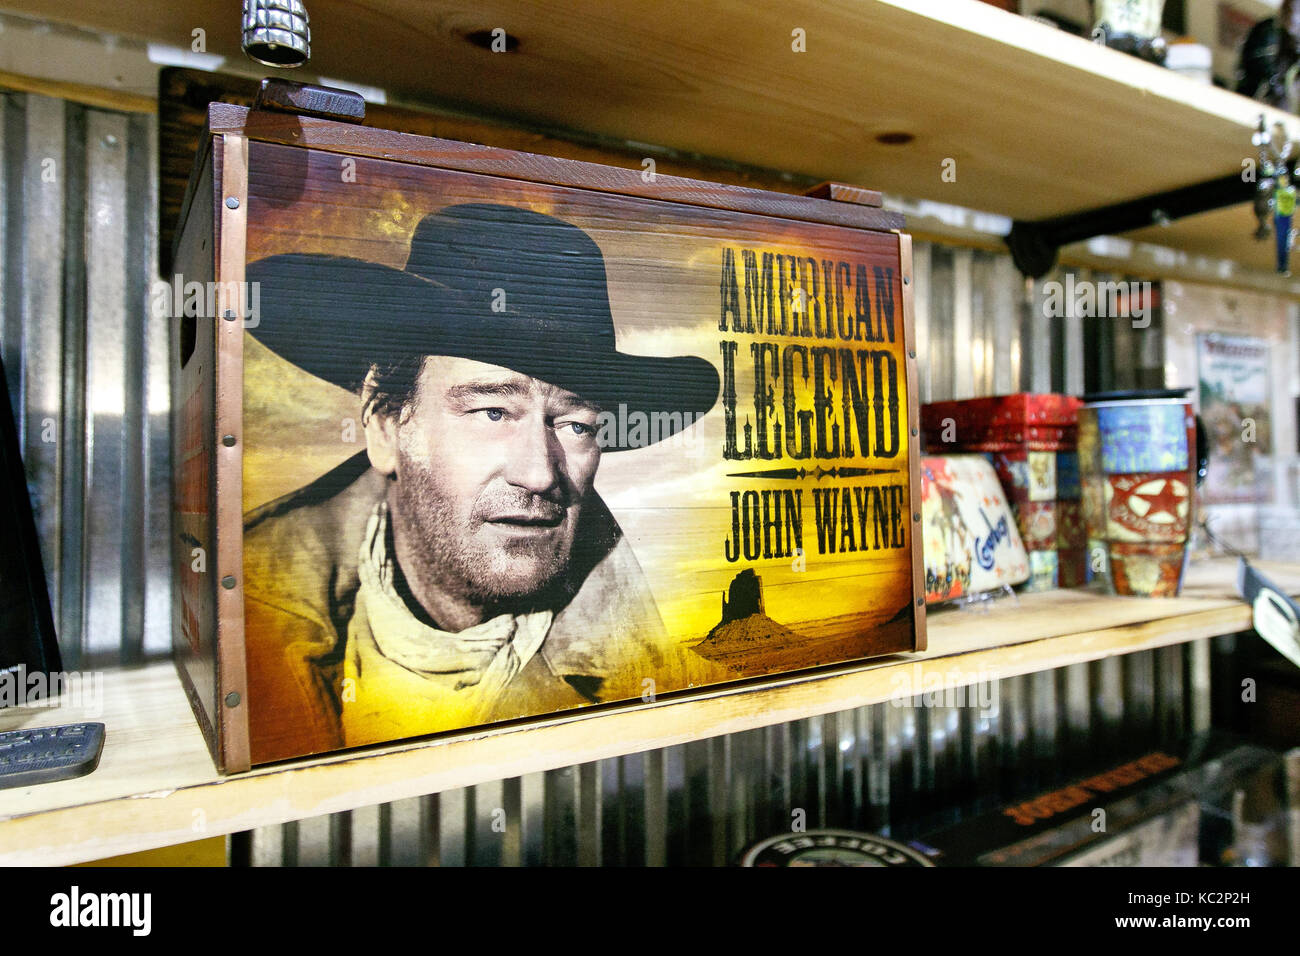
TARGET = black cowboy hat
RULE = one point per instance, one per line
(493, 283)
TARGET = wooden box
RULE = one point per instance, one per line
(466, 435)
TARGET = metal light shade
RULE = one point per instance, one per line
(276, 32)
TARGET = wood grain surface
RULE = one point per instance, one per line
(1040, 122)
(688, 285)
(184, 96)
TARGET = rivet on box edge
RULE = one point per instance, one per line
(229, 316)
(232, 699)
(229, 440)
(920, 602)
(232, 202)
(913, 432)
(228, 582)
(911, 353)
(916, 516)
(907, 280)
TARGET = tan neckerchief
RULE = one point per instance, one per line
(485, 657)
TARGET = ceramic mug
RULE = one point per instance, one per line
(1139, 466)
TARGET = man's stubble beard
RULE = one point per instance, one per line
(452, 555)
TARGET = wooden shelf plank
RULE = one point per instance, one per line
(1222, 234)
(156, 785)
(1039, 122)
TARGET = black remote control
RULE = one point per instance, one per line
(46, 754)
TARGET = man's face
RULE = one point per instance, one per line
(492, 468)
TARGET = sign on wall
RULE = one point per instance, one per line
(1234, 405)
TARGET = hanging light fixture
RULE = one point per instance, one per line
(276, 32)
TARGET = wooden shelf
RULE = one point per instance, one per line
(1039, 122)
(156, 785)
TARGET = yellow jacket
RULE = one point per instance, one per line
(300, 570)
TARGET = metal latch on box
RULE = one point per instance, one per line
(305, 99)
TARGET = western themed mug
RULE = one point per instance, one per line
(1138, 466)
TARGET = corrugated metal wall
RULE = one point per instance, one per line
(88, 367)
(893, 770)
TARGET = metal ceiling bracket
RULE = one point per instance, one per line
(1034, 245)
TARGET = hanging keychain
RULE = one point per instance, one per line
(1283, 211)
(1263, 202)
